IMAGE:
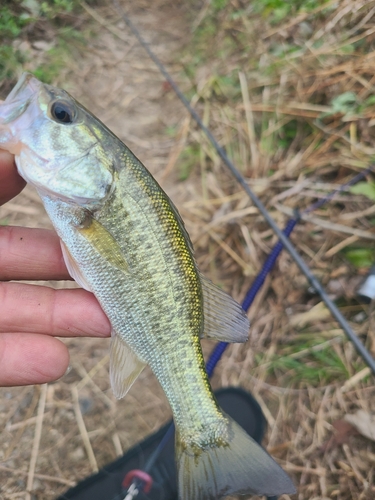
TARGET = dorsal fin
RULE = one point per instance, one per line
(224, 318)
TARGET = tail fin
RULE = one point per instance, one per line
(235, 464)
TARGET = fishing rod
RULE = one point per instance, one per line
(271, 259)
(283, 237)
(142, 479)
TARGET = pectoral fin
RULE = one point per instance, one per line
(104, 243)
(224, 318)
(73, 269)
(124, 368)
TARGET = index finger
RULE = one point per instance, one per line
(11, 183)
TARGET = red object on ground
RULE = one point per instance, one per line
(141, 476)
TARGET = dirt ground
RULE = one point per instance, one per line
(53, 436)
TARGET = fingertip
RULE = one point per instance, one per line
(27, 359)
(53, 363)
(11, 183)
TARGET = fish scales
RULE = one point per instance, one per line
(155, 314)
(123, 240)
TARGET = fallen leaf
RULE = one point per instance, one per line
(364, 422)
(342, 432)
(318, 312)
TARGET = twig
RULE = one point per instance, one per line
(247, 269)
(83, 431)
(354, 467)
(298, 19)
(342, 244)
(89, 375)
(250, 120)
(37, 436)
(104, 22)
(87, 378)
(356, 215)
(117, 444)
(45, 477)
(327, 224)
(353, 381)
(308, 470)
(178, 148)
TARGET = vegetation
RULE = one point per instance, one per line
(288, 90)
(283, 85)
(36, 35)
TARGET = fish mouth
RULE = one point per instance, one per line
(27, 82)
(19, 98)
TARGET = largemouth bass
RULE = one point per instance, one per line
(123, 239)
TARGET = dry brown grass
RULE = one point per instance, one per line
(297, 362)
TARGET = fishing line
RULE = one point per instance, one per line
(283, 237)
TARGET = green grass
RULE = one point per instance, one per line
(310, 363)
(17, 22)
(277, 11)
(188, 160)
(226, 41)
(360, 257)
(56, 58)
(365, 188)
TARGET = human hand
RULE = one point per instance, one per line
(31, 315)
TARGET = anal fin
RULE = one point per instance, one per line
(224, 318)
(125, 366)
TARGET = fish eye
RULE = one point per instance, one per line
(62, 112)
